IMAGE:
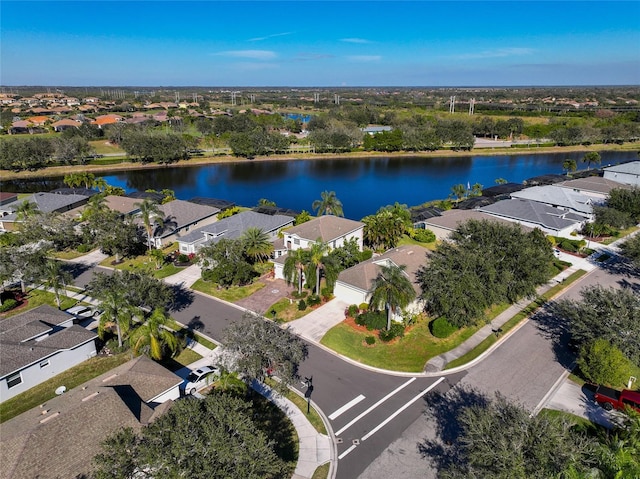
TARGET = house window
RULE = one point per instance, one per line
(44, 364)
(296, 241)
(14, 380)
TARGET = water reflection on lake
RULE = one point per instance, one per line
(363, 185)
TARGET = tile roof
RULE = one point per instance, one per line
(327, 228)
(60, 438)
(361, 275)
(593, 184)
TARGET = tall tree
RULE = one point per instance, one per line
(391, 290)
(153, 338)
(329, 204)
(569, 165)
(592, 157)
(257, 244)
(315, 263)
(26, 210)
(293, 269)
(117, 312)
(56, 278)
(254, 347)
(458, 191)
(631, 249)
(151, 214)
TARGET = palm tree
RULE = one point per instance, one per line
(328, 205)
(391, 290)
(293, 269)
(151, 213)
(257, 244)
(158, 256)
(315, 261)
(97, 204)
(26, 209)
(100, 183)
(500, 181)
(56, 278)
(72, 180)
(569, 165)
(458, 191)
(229, 382)
(592, 157)
(116, 312)
(153, 338)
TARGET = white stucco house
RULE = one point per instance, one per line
(626, 173)
(354, 284)
(329, 229)
(37, 345)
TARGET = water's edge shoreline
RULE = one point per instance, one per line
(57, 171)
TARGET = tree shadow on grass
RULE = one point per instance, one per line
(182, 297)
(445, 410)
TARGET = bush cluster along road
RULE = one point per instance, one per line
(377, 418)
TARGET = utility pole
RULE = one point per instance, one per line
(452, 104)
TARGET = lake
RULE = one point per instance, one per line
(363, 185)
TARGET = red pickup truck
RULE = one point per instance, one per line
(610, 398)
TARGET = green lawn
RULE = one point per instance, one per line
(231, 294)
(406, 240)
(36, 297)
(68, 254)
(186, 357)
(70, 378)
(144, 263)
(409, 353)
(321, 472)
(287, 311)
(301, 403)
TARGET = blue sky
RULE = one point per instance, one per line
(324, 43)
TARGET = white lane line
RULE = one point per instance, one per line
(353, 421)
(390, 418)
(351, 448)
(346, 407)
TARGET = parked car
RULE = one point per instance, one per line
(199, 379)
(610, 398)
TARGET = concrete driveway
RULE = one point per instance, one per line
(579, 401)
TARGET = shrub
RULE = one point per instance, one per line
(313, 300)
(300, 295)
(8, 304)
(365, 255)
(363, 306)
(441, 328)
(360, 320)
(353, 310)
(602, 363)
(396, 331)
(424, 235)
(373, 320)
(83, 248)
(182, 258)
(327, 293)
(302, 305)
(370, 340)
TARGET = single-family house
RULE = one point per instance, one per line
(233, 227)
(354, 284)
(60, 437)
(552, 221)
(65, 124)
(179, 218)
(44, 202)
(625, 173)
(596, 187)
(123, 204)
(562, 198)
(332, 230)
(445, 224)
(37, 345)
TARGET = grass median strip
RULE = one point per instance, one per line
(525, 313)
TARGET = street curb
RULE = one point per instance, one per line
(553, 390)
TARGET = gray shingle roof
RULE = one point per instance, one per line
(50, 202)
(451, 219)
(532, 212)
(327, 228)
(62, 442)
(554, 196)
(632, 168)
(180, 213)
(234, 226)
(595, 184)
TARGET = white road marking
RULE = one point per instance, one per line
(390, 418)
(351, 448)
(346, 407)
(353, 421)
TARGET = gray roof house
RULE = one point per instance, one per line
(233, 227)
(596, 187)
(37, 345)
(44, 202)
(552, 221)
(442, 226)
(59, 438)
(180, 217)
(354, 284)
(562, 198)
(626, 173)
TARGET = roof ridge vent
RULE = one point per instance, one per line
(48, 418)
(109, 378)
(90, 396)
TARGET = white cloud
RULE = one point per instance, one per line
(364, 58)
(497, 53)
(355, 40)
(266, 37)
(253, 54)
